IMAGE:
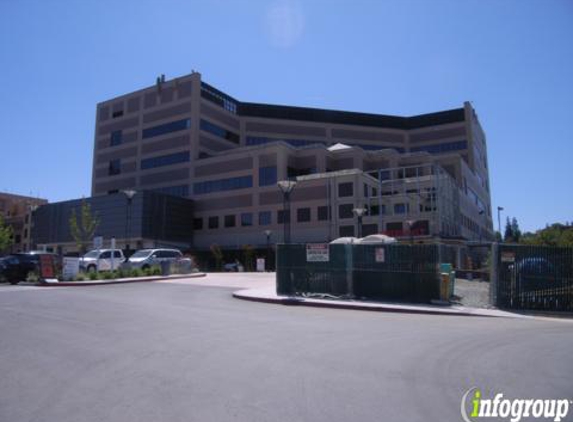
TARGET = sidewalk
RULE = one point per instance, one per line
(119, 281)
(268, 295)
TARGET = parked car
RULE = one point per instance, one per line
(146, 258)
(16, 267)
(234, 267)
(101, 260)
(533, 273)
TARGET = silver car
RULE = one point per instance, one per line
(101, 260)
(146, 258)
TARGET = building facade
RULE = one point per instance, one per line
(420, 177)
(16, 211)
(146, 220)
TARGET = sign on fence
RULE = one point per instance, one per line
(508, 257)
(47, 267)
(317, 252)
(260, 264)
(380, 255)
(71, 268)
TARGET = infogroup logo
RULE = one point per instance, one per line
(474, 407)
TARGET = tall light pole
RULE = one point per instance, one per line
(129, 193)
(359, 213)
(499, 210)
(268, 235)
(286, 187)
(410, 224)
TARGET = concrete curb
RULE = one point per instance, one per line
(121, 281)
(251, 295)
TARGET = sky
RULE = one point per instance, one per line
(512, 59)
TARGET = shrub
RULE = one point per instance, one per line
(136, 272)
(32, 277)
(93, 275)
(108, 275)
(155, 270)
(80, 277)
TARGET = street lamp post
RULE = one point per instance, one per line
(286, 187)
(129, 193)
(268, 235)
(410, 224)
(359, 213)
(499, 210)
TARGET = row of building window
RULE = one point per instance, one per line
(303, 215)
(213, 96)
(441, 148)
(181, 190)
(165, 160)
(261, 140)
(166, 128)
(267, 176)
(218, 131)
(222, 185)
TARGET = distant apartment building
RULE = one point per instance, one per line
(16, 210)
(420, 178)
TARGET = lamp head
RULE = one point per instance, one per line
(286, 186)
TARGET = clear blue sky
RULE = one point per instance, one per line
(512, 59)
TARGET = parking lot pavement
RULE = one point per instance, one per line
(231, 280)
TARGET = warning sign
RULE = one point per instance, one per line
(317, 252)
(508, 257)
(380, 255)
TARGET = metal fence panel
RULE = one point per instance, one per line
(383, 272)
(535, 278)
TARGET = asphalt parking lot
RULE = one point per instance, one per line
(187, 351)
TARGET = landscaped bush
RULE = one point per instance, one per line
(80, 277)
(93, 275)
(108, 275)
(136, 272)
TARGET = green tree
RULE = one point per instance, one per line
(218, 255)
(83, 230)
(508, 233)
(515, 231)
(6, 235)
(249, 257)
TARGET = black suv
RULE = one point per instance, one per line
(16, 267)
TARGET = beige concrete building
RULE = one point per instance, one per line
(421, 177)
(16, 210)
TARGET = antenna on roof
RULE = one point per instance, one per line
(162, 78)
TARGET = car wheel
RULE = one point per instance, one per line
(91, 269)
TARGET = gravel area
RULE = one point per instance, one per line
(472, 293)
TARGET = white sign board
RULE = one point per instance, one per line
(98, 242)
(317, 252)
(71, 268)
(380, 255)
(260, 265)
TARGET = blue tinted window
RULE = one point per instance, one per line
(165, 160)
(114, 167)
(246, 219)
(265, 218)
(223, 185)
(219, 131)
(116, 138)
(166, 128)
(267, 176)
(216, 97)
(182, 190)
(440, 148)
(400, 208)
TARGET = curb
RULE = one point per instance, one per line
(360, 307)
(113, 281)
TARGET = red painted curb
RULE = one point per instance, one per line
(302, 302)
(108, 282)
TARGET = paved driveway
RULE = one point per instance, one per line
(187, 352)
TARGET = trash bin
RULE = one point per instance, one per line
(165, 268)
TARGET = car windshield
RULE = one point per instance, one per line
(91, 254)
(141, 254)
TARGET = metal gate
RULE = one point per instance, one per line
(534, 277)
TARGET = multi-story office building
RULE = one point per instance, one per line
(16, 211)
(419, 177)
